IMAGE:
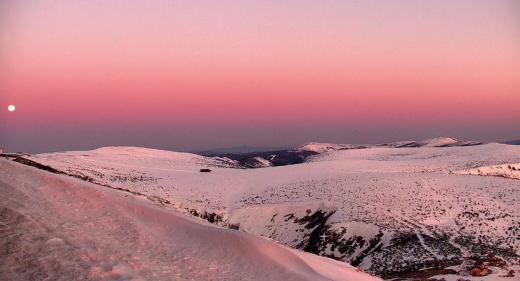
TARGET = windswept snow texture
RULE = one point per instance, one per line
(388, 209)
(56, 228)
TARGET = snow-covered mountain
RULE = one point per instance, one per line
(434, 142)
(301, 153)
(317, 147)
(56, 228)
(391, 209)
(257, 162)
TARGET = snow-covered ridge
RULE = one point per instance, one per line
(141, 157)
(63, 229)
(317, 147)
(257, 162)
(435, 142)
(303, 153)
(504, 170)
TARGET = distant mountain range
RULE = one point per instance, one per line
(282, 157)
(237, 150)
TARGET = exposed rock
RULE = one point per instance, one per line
(480, 271)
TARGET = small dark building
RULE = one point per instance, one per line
(205, 170)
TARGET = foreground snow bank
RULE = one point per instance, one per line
(57, 228)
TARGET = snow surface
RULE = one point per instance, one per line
(386, 209)
(324, 147)
(438, 142)
(320, 148)
(259, 162)
(505, 170)
(57, 228)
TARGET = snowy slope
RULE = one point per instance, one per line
(320, 148)
(257, 162)
(297, 155)
(317, 147)
(505, 170)
(388, 210)
(436, 142)
(136, 157)
(56, 228)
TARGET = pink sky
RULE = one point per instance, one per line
(200, 74)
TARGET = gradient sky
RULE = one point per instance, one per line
(193, 75)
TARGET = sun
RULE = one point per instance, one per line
(11, 108)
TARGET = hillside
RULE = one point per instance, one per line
(56, 228)
(390, 210)
(301, 153)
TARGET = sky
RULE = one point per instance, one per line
(195, 75)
